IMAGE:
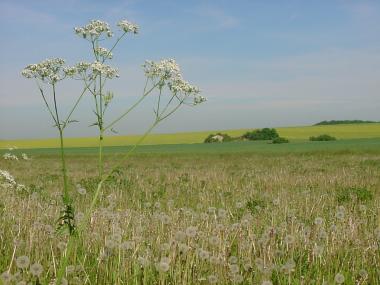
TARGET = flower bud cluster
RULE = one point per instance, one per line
(94, 30)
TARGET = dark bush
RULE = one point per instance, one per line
(322, 138)
(280, 140)
(263, 134)
(219, 137)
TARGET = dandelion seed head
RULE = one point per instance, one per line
(212, 279)
(234, 268)
(22, 262)
(6, 277)
(36, 269)
(339, 278)
(233, 259)
(363, 273)
(191, 232)
(318, 221)
(162, 266)
(289, 239)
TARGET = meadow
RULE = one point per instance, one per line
(231, 213)
(346, 131)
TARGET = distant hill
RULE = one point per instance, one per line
(341, 122)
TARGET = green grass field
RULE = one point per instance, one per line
(192, 213)
(353, 131)
(298, 146)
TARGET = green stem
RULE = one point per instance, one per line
(146, 93)
(66, 197)
(100, 125)
(100, 162)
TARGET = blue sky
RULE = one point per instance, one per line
(259, 63)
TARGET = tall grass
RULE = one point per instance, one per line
(191, 219)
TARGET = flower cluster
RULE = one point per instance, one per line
(103, 53)
(9, 156)
(127, 26)
(98, 68)
(162, 70)
(6, 179)
(49, 71)
(167, 72)
(87, 70)
(94, 30)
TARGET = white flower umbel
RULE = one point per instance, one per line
(48, 71)
(94, 30)
(6, 179)
(127, 26)
(9, 156)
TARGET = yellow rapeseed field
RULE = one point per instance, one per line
(349, 131)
